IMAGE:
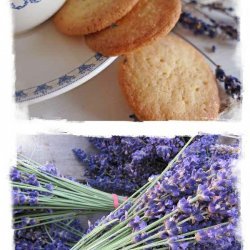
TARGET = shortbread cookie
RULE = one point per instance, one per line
(81, 17)
(169, 80)
(148, 20)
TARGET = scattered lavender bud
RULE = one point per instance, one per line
(124, 164)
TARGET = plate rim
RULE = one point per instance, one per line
(65, 82)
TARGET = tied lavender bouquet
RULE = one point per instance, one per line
(123, 164)
(193, 204)
(42, 196)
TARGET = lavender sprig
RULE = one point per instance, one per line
(210, 28)
(197, 26)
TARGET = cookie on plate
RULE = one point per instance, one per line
(169, 80)
(148, 20)
(81, 17)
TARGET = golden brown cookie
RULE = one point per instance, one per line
(81, 17)
(169, 80)
(148, 20)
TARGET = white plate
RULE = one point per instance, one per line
(49, 64)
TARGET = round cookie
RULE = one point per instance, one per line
(169, 80)
(81, 17)
(148, 20)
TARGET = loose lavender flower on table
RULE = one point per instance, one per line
(124, 164)
(57, 236)
(193, 204)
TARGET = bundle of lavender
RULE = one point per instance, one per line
(123, 164)
(193, 204)
(42, 196)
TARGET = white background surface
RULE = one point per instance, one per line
(56, 149)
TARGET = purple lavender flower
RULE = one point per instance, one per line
(222, 235)
(26, 221)
(15, 175)
(184, 206)
(49, 186)
(32, 180)
(197, 26)
(81, 155)
(135, 222)
(204, 193)
(22, 199)
(50, 169)
(232, 84)
(171, 227)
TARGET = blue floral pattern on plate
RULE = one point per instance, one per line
(65, 79)
(86, 68)
(42, 89)
(62, 81)
(20, 95)
(23, 4)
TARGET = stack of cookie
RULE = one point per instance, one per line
(161, 75)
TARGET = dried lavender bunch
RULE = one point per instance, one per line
(124, 164)
(41, 196)
(193, 204)
(57, 236)
(210, 28)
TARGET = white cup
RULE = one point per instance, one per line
(30, 13)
